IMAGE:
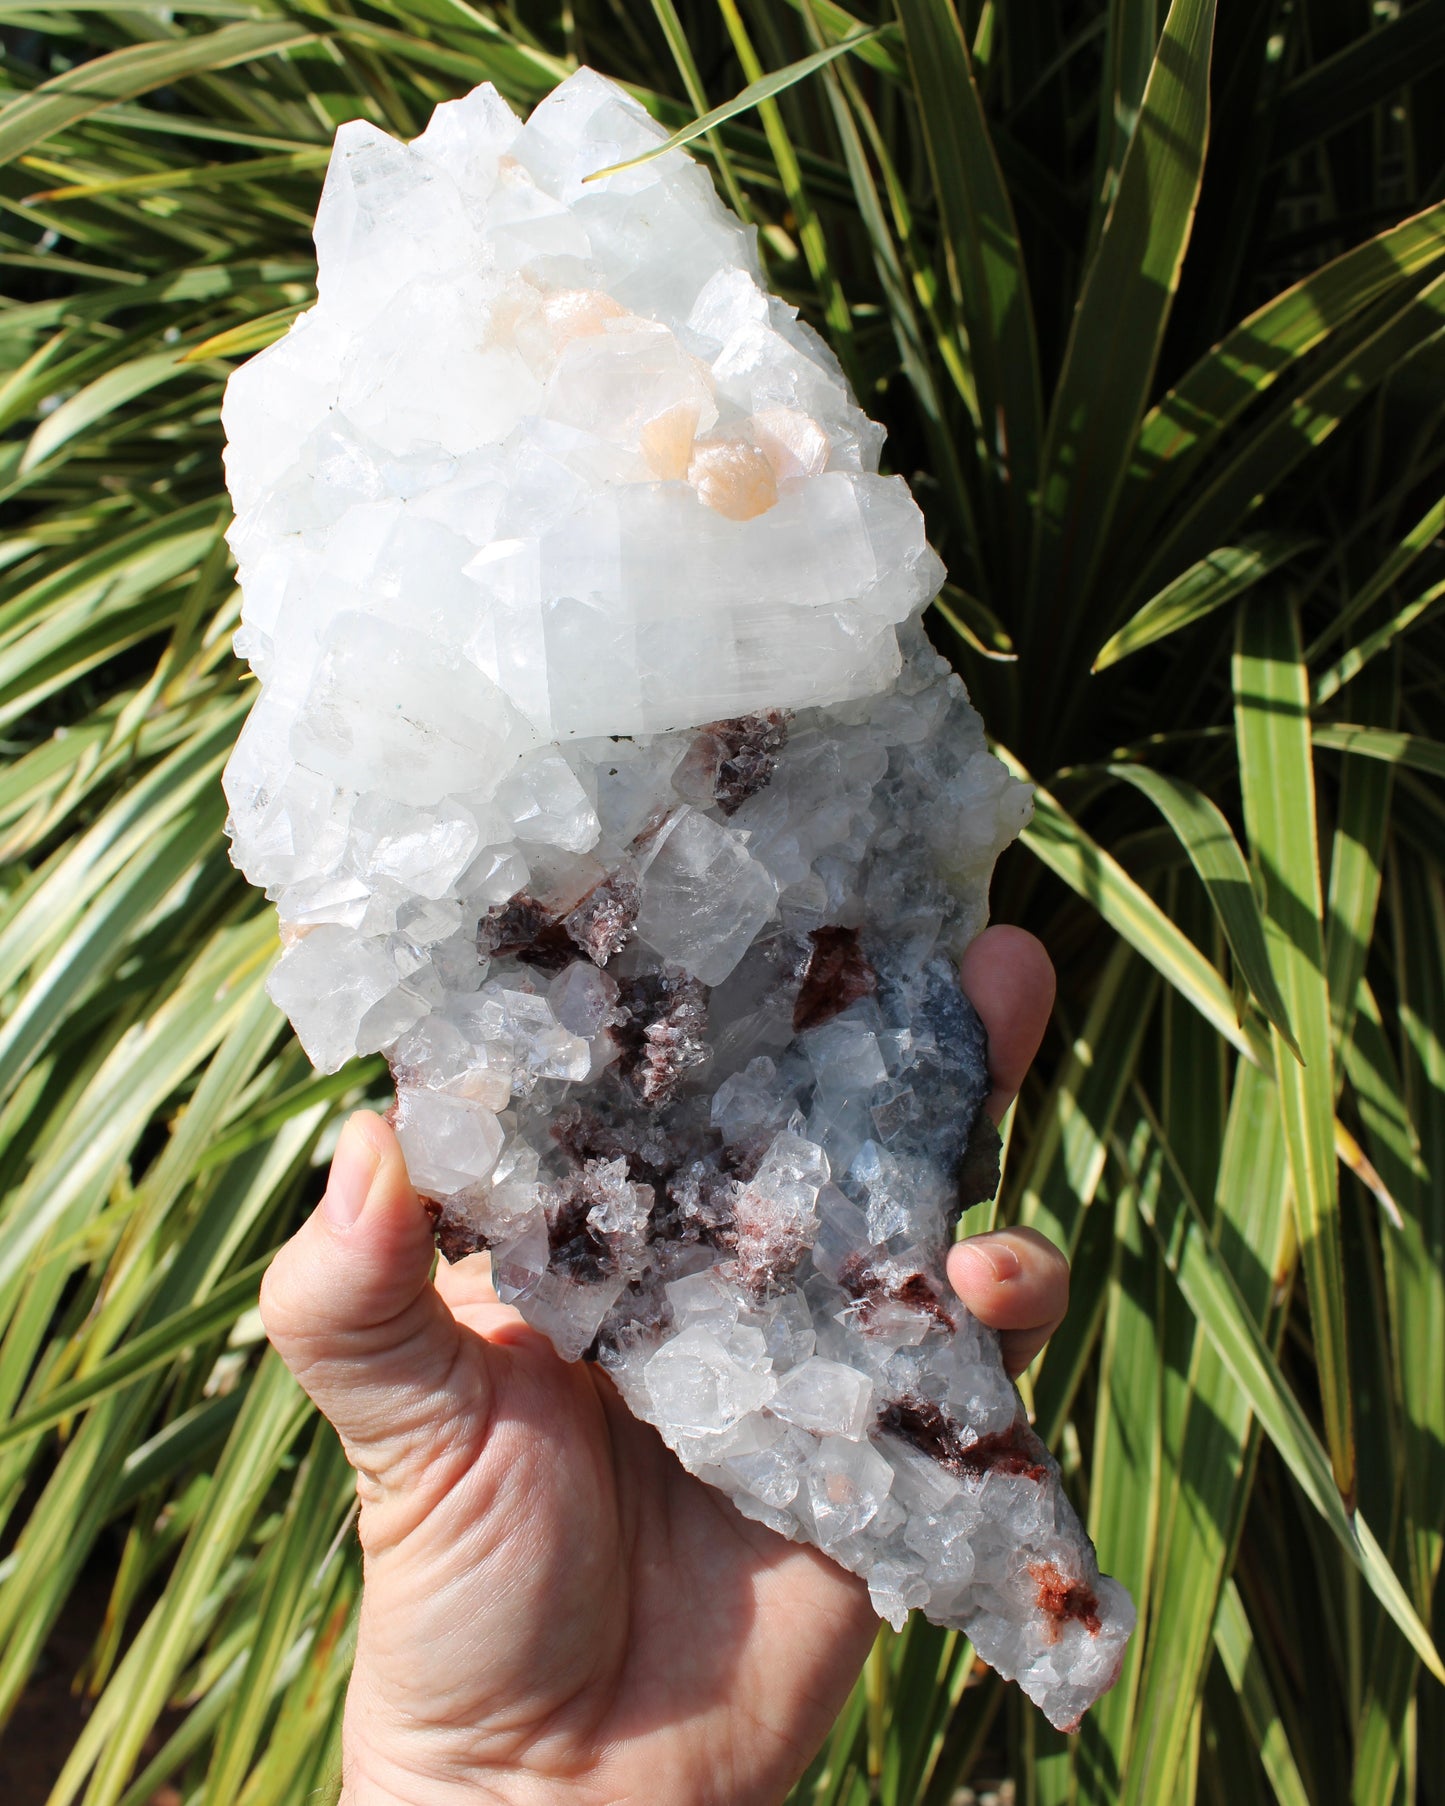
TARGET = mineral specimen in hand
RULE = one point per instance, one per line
(603, 778)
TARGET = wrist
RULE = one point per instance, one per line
(392, 1757)
(396, 1787)
(413, 1771)
(382, 1782)
(385, 1765)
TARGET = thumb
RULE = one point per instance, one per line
(349, 1306)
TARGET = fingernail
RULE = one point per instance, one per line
(353, 1167)
(996, 1254)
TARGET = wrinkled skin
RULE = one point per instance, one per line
(553, 1609)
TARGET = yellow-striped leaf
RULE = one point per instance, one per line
(1271, 689)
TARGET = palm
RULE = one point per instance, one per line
(576, 1604)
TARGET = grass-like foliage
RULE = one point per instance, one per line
(1152, 299)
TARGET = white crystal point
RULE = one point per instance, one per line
(605, 782)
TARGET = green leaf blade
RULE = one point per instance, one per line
(1277, 779)
(1209, 841)
(755, 94)
(1123, 308)
(1219, 577)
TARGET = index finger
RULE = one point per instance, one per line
(1010, 982)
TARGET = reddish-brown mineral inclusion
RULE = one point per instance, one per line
(929, 1429)
(838, 974)
(1062, 1599)
(862, 1281)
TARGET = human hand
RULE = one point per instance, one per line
(554, 1610)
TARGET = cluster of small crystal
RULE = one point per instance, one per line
(603, 778)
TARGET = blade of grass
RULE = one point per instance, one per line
(1351, 662)
(975, 623)
(99, 941)
(191, 1736)
(60, 1533)
(1184, 429)
(30, 118)
(303, 1752)
(72, 1174)
(66, 887)
(97, 400)
(112, 1739)
(240, 341)
(761, 89)
(1411, 546)
(1205, 1435)
(1070, 1140)
(1234, 1639)
(1415, 1271)
(983, 261)
(952, 1673)
(1124, 1496)
(184, 1445)
(892, 237)
(1296, 428)
(1119, 321)
(1207, 838)
(1271, 688)
(1221, 576)
(1059, 842)
(180, 177)
(1132, 38)
(320, 1499)
(1357, 859)
(833, 302)
(672, 30)
(1416, 1295)
(141, 1354)
(881, 52)
(1213, 1295)
(1413, 750)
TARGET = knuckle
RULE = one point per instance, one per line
(1047, 1255)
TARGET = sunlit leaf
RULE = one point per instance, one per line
(1207, 838)
(1189, 422)
(1414, 750)
(749, 97)
(1054, 837)
(1217, 578)
(1124, 306)
(30, 118)
(1234, 1639)
(1214, 1297)
(985, 264)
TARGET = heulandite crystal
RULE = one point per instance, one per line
(603, 779)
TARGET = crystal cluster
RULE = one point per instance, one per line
(604, 780)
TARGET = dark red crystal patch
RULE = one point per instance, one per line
(526, 929)
(927, 1427)
(863, 1282)
(732, 760)
(837, 975)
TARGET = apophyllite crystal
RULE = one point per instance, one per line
(604, 780)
